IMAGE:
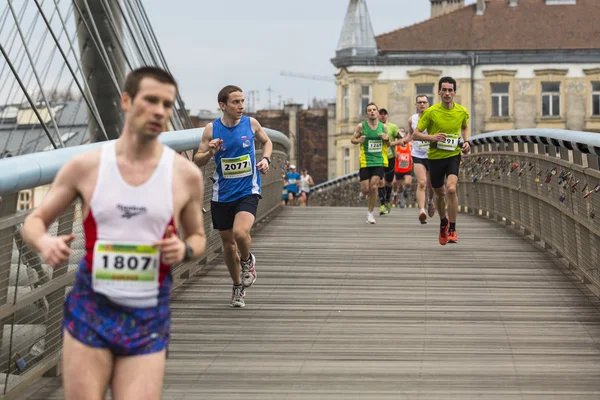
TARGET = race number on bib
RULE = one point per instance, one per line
(449, 144)
(375, 146)
(125, 269)
(238, 167)
(422, 144)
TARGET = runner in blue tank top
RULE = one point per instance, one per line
(236, 184)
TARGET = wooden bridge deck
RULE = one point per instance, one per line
(345, 310)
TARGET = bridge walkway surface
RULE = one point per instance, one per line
(346, 310)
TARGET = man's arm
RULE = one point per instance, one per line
(267, 145)
(172, 248)
(399, 139)
(191, 217)
(205, 152)
(411, 132)
(357, 137)
(465, 133)
(61, 195)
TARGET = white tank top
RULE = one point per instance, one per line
(419, 148)
(305, 183)
(122, 224)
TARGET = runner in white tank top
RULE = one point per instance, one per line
(134, 193)
(306, 181)
(420, 162)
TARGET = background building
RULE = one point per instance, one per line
(518, 64)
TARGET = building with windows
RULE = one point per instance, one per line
(518, 64)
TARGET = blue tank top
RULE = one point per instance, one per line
(236, 175)
(293, 180)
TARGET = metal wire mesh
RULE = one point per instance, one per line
(551, 199)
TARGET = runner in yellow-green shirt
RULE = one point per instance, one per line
(447, 129)
(385, 185)
(373, 139)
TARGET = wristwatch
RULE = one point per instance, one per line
(189, 252)
(268, 160)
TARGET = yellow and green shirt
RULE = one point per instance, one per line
(394, 133)
(373, 151)
(438, 119)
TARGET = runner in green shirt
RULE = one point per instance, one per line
(385, 185)
(447, 129)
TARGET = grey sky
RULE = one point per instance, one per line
(209, 44)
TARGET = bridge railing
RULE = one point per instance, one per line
(544, 183)
(32, 293)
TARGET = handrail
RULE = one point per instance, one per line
(585, 142)
(335, 181)
(37, 169)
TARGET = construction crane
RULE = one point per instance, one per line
(308, 76)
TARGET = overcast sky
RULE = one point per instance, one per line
(210, 44)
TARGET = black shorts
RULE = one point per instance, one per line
(422, 161)
(440, 169)
(401, 175)
(389, 170)
(366, 173)
(223, 214)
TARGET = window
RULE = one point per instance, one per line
(500, 100)
(551, 99)
(426, 89)
(346, 103)
(596, 98)
(365, 98)
(346, 160)
(24, 202)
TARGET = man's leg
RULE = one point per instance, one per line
(421, 174)
(242, 225)
(430, 196)
(291, 198)
(232, 261)
(230, 256)
(438, 170)
(139, 377)
(451, 183)
(374, 187)
(86, 370)
(381, 192)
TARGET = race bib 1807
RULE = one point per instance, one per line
(125, 269)
(239, 167)
(449, 144)
(375, 146)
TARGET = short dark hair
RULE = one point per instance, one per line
(447, 79)
(133, 79)
(383, 111)
(421, 95)
(223, 96)
(372, 104)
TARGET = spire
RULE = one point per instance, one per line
(357, 38)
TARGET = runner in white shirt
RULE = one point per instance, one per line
(420, 162)
(306, 181)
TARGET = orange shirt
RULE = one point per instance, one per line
(404, 160)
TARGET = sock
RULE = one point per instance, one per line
(453, 226)
(382, 196)
(369, 213)
(422, 210)
(388, 193)
(444, 221)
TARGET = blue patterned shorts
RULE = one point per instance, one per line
(94, 320)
